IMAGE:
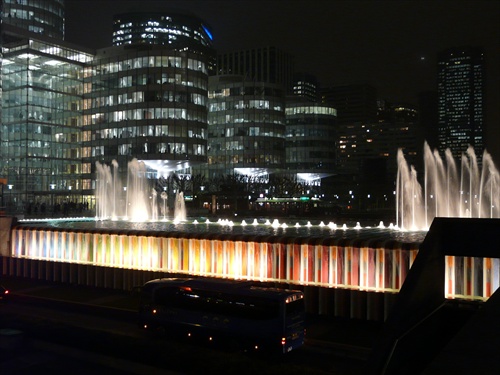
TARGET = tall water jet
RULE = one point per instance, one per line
(409, 205)
(137, 187)
(164, 197)
(107, 191)
(115, 190)
(444, 194)
(489, 199)
(154, 205)
(103, 191)
(180, 207)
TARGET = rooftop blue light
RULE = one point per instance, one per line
(208, 32)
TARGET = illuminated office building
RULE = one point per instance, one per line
(461, 99)
(305, 86)
(64, 109)
(42, 17)
(310, 137)
(175, 30)
(148, 104)
(246, 127)
(40, 132)
(146, 96)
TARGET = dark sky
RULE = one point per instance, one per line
(389, 44)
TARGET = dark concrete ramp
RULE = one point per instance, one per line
(475, 349)
(422, 322)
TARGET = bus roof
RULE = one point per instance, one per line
(246, 287)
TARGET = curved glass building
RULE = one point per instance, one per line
(311, 136)
(148, 104)
(246, 128)
(146, 97)
(174, 30)
(44, 17)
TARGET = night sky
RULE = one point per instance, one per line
(391, 45)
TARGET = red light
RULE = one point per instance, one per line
(6, 292)
(283, 341)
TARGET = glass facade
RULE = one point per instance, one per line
(306, 87)
(460, 100)
(43, 17)
(246, 126)
(148, 104)
(173, 30)
(41, 122)
(310, 138)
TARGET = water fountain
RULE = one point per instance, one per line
(139, 206)
(164, 197)
(180, 207)
(137, 186)
(334, 258)
(103, 191)
(446, 191)
(154, 205)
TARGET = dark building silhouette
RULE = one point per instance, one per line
(264, 64)
(354, 103)
(428, 117)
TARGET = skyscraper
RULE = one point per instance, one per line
(461, 86)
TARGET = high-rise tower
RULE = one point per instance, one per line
(461, 86)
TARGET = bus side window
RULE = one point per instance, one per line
(295, 307)
(166, 296)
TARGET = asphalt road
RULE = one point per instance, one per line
(42, 337)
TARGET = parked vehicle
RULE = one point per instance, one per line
(4, 293)
(257, 317)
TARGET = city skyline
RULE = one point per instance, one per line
(390, 45)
